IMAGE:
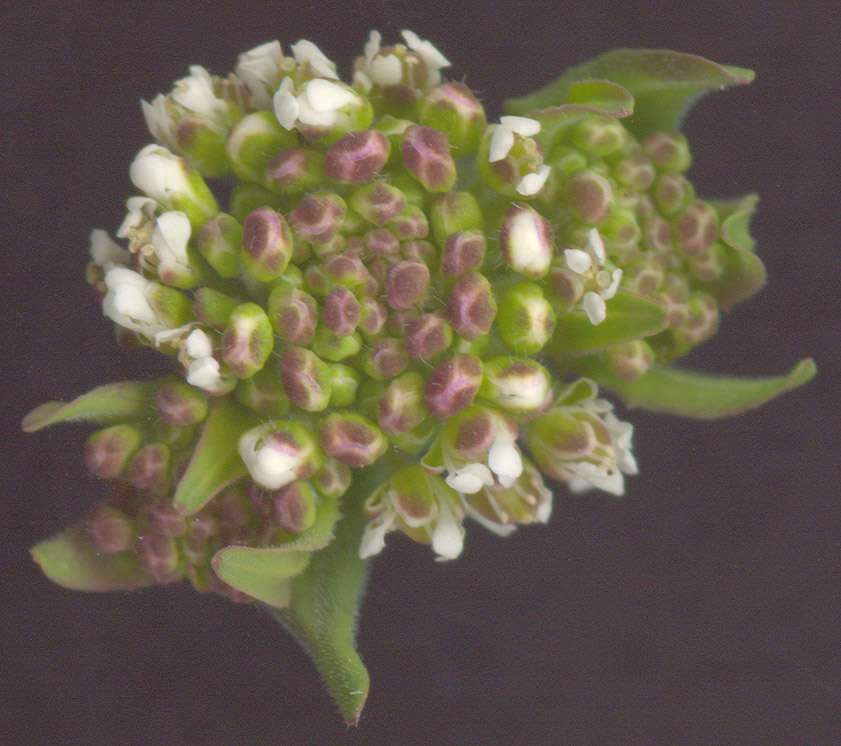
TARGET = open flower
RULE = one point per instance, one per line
(589, 264)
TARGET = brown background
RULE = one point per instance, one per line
(704, 606)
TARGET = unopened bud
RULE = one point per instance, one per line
(266, 244)
(428, 336)
(452, 386)
(317, 217)
(254, 141)
(463, 252)
(108, 451)
(668, 150)
(333, 479)
(454, 212)
(332, 347)
(293, 313)
(381, 243)
(518, 385)
(341, 312)
(248, 340)
(636, 172)
(158, 555)
(352, 439)
(295, 170)
(180, 404)
(305, 379)
(406, 284)
(696, 229)
(599, 135)
(344, 382)
(212, 307)
(263, 393)
(278, 453)
(164, 519)
(672, 192)
(247, 197)
(110, 530)
(589, 195)
(426, 155)
(378, 202)
(401, 406)
(630, 360)
(526, 319)
(149, 470)
(357, 157)
(387, 358)
(471, 307)
(452, 108)
(410, 224)
(293, 507)
(526, 241)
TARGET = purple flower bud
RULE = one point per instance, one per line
(293, 313)
(304, 378)
(318, 216)
(421, 251)
(471, 433)
(566, 286)
(526, 241)
(233, 506)
(426, 155)
(341, 312)
(674, 294)
(381, 242)
(202, 526)
(149, 470)
(294, 170)
(452, 386)
(333, 479)
(158, 555)
(668, 150)
(378, 202)
(696, 229)
(110, 530)
(108, 451)
(163, 518)
(293, 507)
(263, 393)
(266, 244)
(248, 340)
(453, 109)
(357, 157)
(180, 404)
(372, 317)
(589, 195)
(658, 235)
(410, 224)
(352, 439)
(428, 336)
(702, 319)
(471, 307)
(401, 408)
(406, 284)
(636, 172)
(386, 358)
(347, 269)
(463, 252)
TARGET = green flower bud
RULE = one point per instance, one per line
(294, 507)
(333, 347)
(180, 404)
(333, 479)
(410, 224)
(352, 439)
(526, 319)
(109, 451)
(454, 212)
(630, 360)
(247, 341)
(378, 202)
(293, 313)
(219, 241)
(517, 385)
(672, 193)
(294, 170)
(317, 217)
(696, 229)
(305, 379)
(401, 407)
(635, 172)
(263, 393)
(669, 151)
(589, 195)
(344, 382)
(212, 307)
(599, 135)
(452, 109)
(247, 197)
(254, 142)
(266, 244)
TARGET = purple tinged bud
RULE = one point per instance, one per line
(672, 192)
(381, 242)
(702, 319)
(266, 244)
(357, 157)
(452, 386)
(164, 519)
(158, 555)
(401, 406)
(635, 172)
(202, 526)
(696, 229)
(471, 433)
(378, 202)
(386, 359)
(410, 224)
(668, 150)
(406, 284)
(352, 439)
(674, 294)
(293, 507)
(710, 264)
(518, 385)
(428, 336)
(233, 506)
(463, 252)
(294, 170)
(341, 312)
(248, 340)
(658, 235)
(566, 286)
(372, 317)
(218, 241)
(526, 241)
(108, 451)
(426, 155)
(305, 379)
(347, 269)
(180, 404)
(454, 212)
(332, 347)
(644, 276)
(110, 530)
(599, 135)
(471, 307)
(421, 251)
(333, 479)
(317, 217)
(452, 109)
(344, 383)
(212, 307)
(316, 279)
(293, 313)
(149, 470)
(589, 195)
(630, 360)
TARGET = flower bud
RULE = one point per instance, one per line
(401, 406)
(526, 241)
(247, 197)
(644, 276)
(110, 530)
(696, 229)
(426, 155)
(387, 358)
(180, 404)
(149, 470)
(108, 451)
(293, 507)
(471, 307)
(589, 195)
(277, 453)
(261, 70)
(266, 244)
(406, 284)
(333, 347)
(381, 243)
(635, 172)
(672, 192)
(669, 151)
(295, 170)
(452, 109)
(352, 439)
(517, 385)
(356, 157)
(254, 142)
(158, 555)
(341, 312)
(346, 269)
(526, 319)
(170, 236)
(263, 393)
(527, 500)
(464, 251)
(163, 518)
(212, 307)
(317, 217)
(454, 212)
(452, 386)
(344, 382)
(511, 160)
(305, 379)
(599, 135)
(247, 341)
(333, 479)
(428, 336)
(630, 360)
(378, 202)
(293, 313)
(372, 318)
(410, 224)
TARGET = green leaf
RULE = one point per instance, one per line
(69, 560)
(264, 573)
(629, 317)
(215, 462)
(664, 85)
(325, 597)
(690, 394)
(105, 405)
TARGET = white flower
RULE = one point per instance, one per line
(158, 121)
(272, 460)
(169, 241)
(428, 52)
(159, 174)
(502, 139)
(531, 184)
(105, 252)
(307, 53)
(589, 264)
(195, 93)
(470, 479)
(381, 69)
(261, 70)
(141, 213)
(203, 370)
(321, 103)
(127, 302)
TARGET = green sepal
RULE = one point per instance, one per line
(664, 85)
(690, 394)
(215, 462)
(629, 317)
(69, 560)
(744, 273)
(325, 598)
(265, 572)
(104, 405)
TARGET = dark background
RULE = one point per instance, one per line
(704, 606)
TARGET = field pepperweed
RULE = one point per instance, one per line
(402, 316)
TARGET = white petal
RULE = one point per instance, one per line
(169, 239)
(195, 92)
(500, 529)
(105, 252)
(578, 261)
(139, 209)
(372, 46)
(159, 174)
(470, 479)
(305, 51)
(259, 69)
(595, 245)
(531, 184)
(373, 538)
(594, 307)
(322, 95)
(286, 108)
(426, 50)
(158, 121)
(502, 140)
(524, 126)
(611, 289)
(505, 461)
(198, 344)
(268, 465)
(204, 374)
(448, 534)
(386, 70)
